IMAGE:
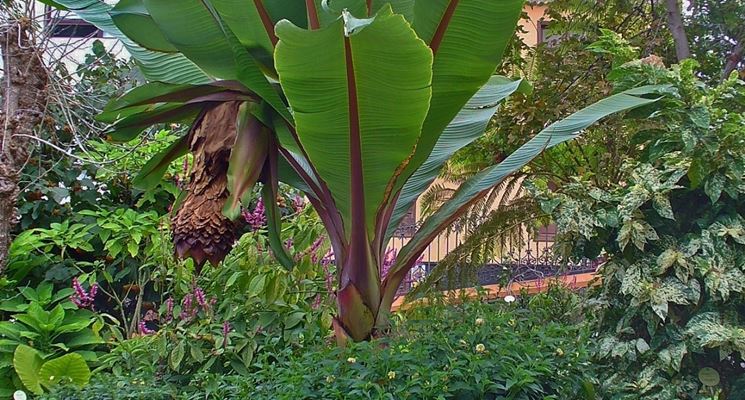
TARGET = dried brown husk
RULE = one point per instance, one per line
(200, 230)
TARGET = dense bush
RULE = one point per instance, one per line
(672, 304)
(530, 349)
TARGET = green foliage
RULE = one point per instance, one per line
(475, 350)
(44, 326)
(671, 303)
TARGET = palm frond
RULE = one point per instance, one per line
(486, 242)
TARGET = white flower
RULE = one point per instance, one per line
(509, 298)
(391, 375)
(479, 321)
(351, 360)
(19, 395)
(480, 348)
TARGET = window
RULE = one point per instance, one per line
(546, 35)
(62, 24)
(546, 233)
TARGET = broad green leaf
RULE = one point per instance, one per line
(131, 17)
(151, 174)
(355, 135)
(210, 43)
(156, 66)
(68, 369)
(177, 355)
(159, 92)
(467, 126)
(27, 362)
(471, 190)
(468, 38)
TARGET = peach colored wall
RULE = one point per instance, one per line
(535, 14)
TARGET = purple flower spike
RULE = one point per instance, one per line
(144, 330)
(225, 331)
(257, 218)
(82, 298)
(169, 309)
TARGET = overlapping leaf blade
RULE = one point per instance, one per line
(467, 126)
(556, 133)
(156, 66)
(384, 104)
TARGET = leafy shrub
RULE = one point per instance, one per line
(45, 329)
(672, 303)
(473, 350)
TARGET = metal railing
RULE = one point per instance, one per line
(530, 259)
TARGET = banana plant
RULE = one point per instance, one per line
(357, 103)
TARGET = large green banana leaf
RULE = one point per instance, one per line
(156, 66)
(467, 126)
(199, 31)
(556, 133)
(468, 38)
(359, 107)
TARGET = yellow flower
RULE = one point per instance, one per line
(391, 375)
(330, 378)
(351, 360)
(479, 321)
(480, 348)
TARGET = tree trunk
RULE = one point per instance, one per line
(23, 91)
(677, 30)
(734, 59)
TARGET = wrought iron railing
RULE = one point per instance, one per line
(530, 259)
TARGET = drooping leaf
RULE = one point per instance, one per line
(208, 41)
(274, 226)
(132, 125)
(151, 174)
(556, 133)
(159, 92)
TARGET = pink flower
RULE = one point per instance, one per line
(169, 309)
(201, 299)
(317, 302)
(144, 330)
(257, 218)
(82, 298)
(298, 204)
(188, 308)
(225, 331)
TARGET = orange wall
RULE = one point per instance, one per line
(535, 14)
